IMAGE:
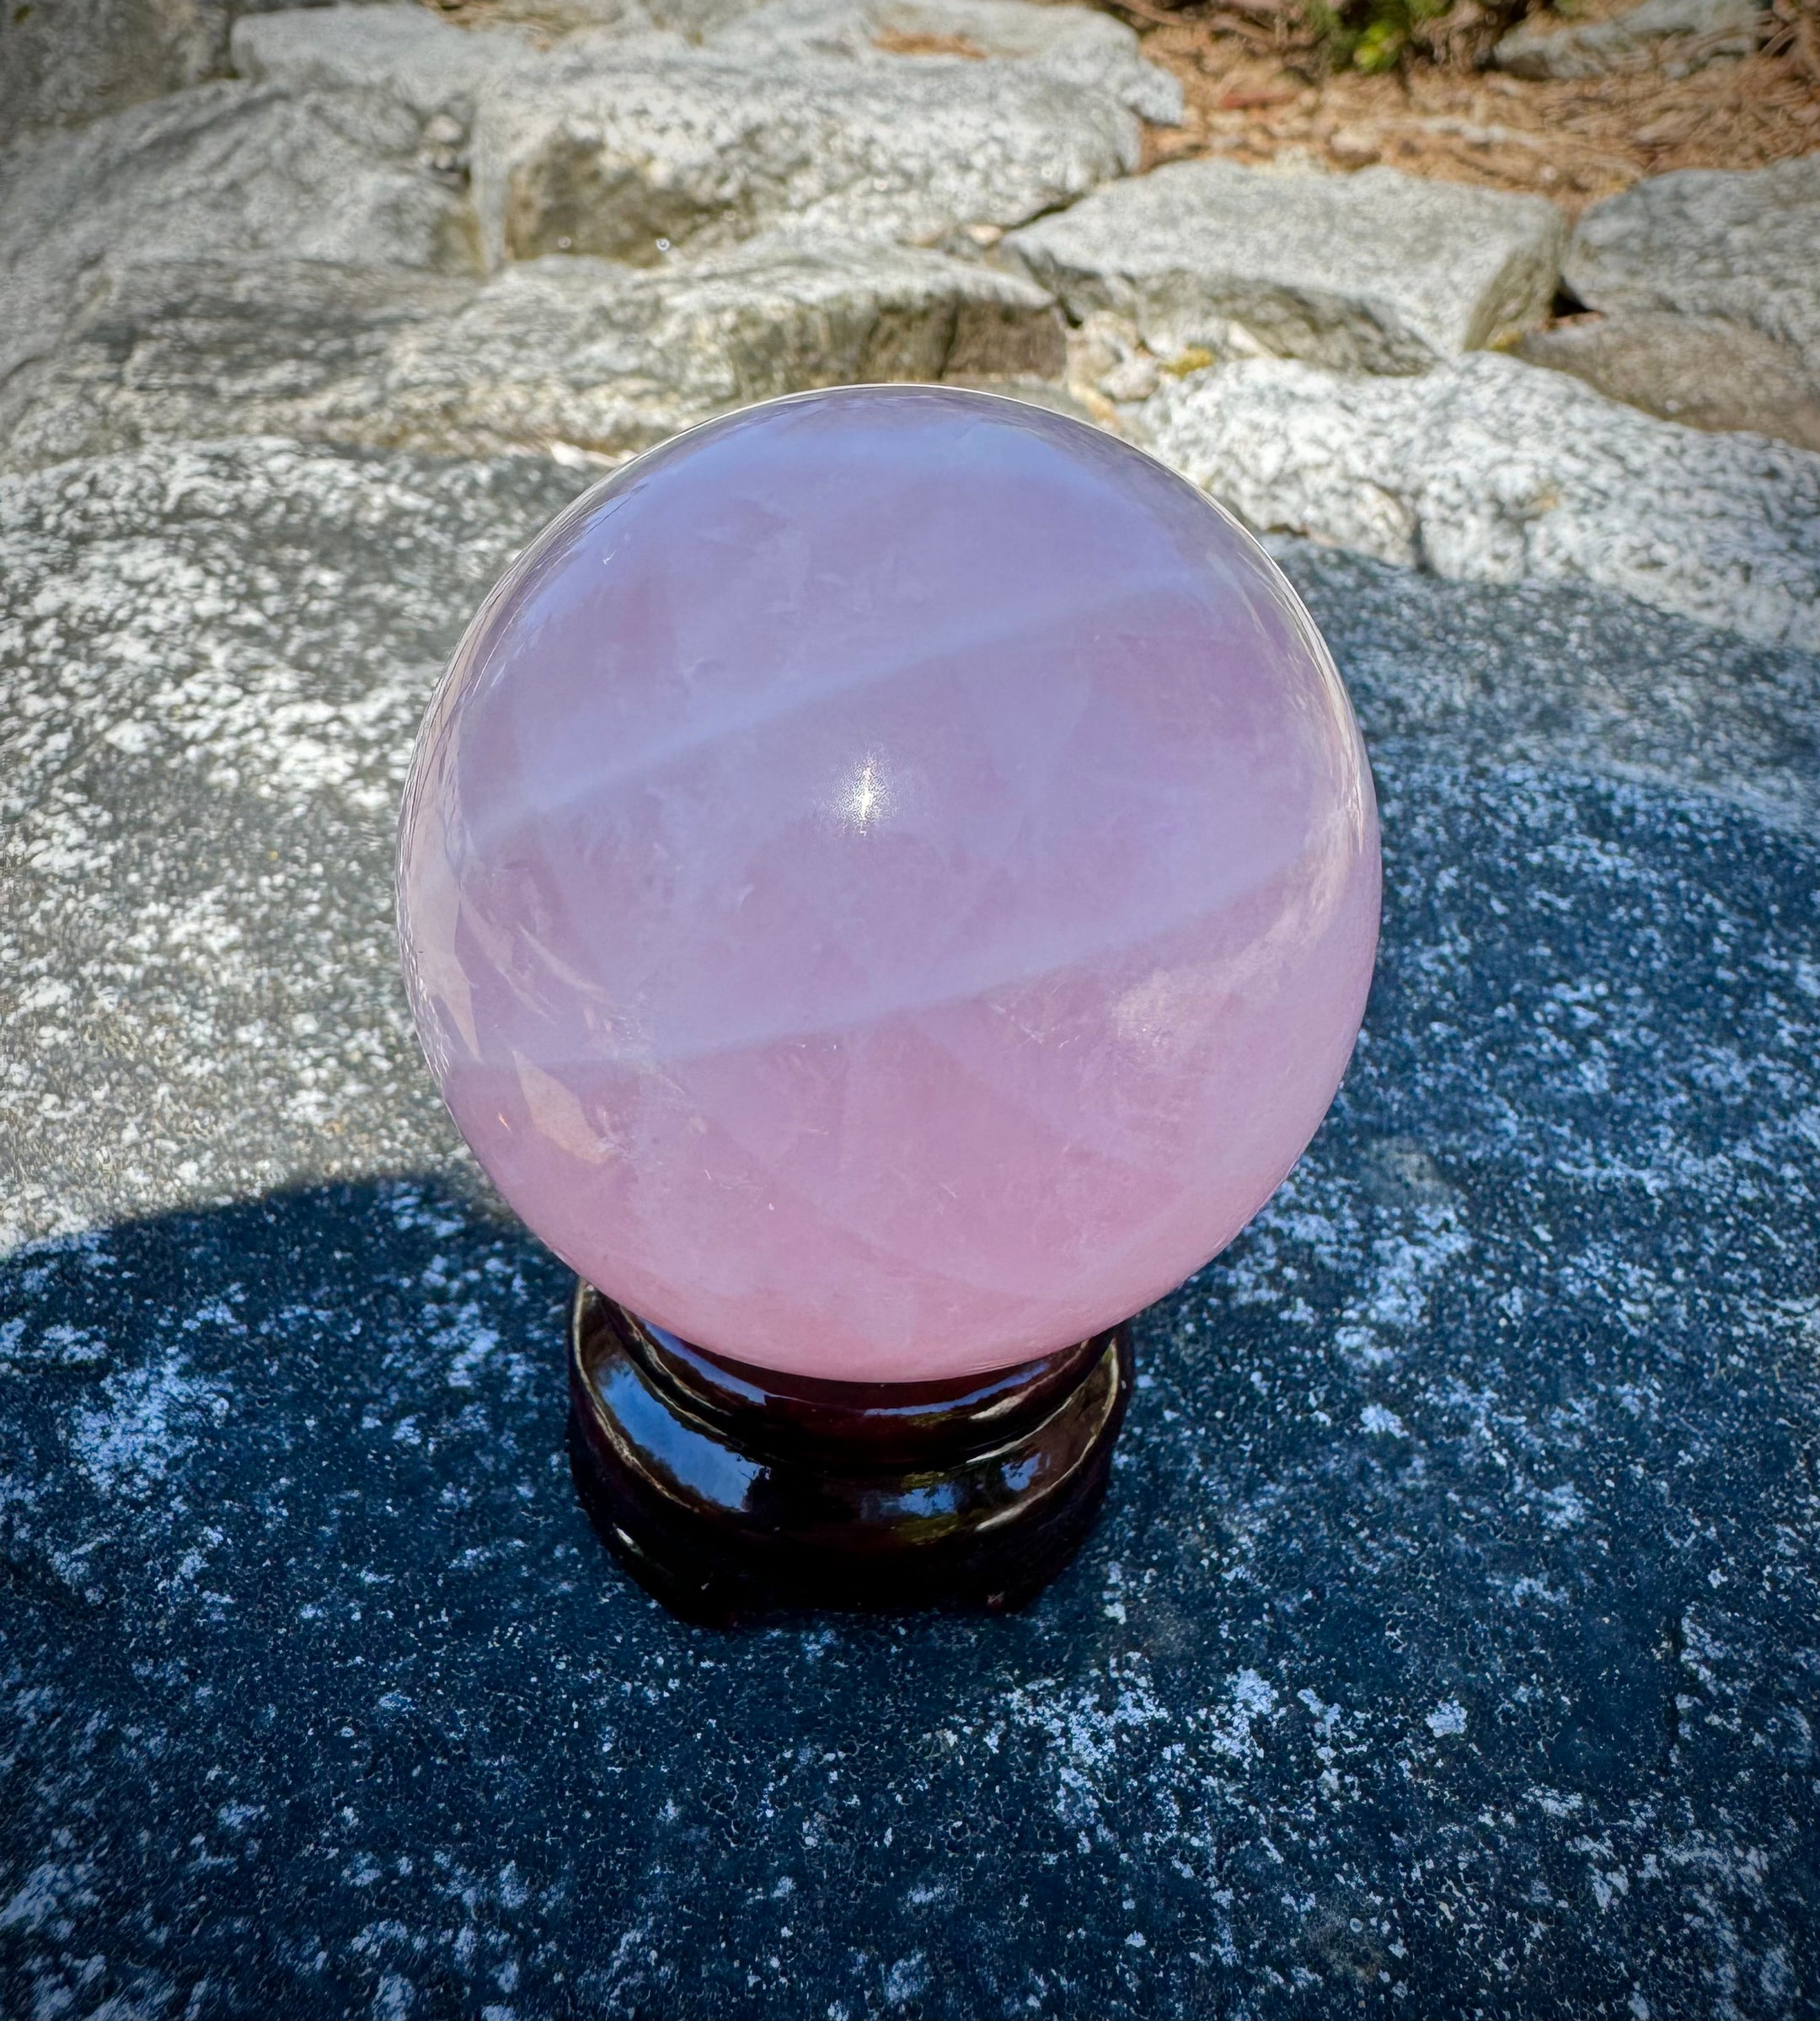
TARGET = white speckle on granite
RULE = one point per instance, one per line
(151, 1417)
(1561, 1508)
(906, 1980)
(1228, 1727)
(278, 616)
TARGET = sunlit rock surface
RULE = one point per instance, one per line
(1742, 244)
(568, 353)
(1373, 272)
(1450, 1625)
(1490, 469)
(230, 173)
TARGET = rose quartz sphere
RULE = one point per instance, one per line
(888, 883)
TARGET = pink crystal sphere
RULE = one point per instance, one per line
(888, 883)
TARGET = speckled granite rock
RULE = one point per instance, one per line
(255, 628)
(1372, 272)
(700, 148)
(384, 140)
(1449, 1643)
(168, 348)
(1079, 44)
(1700, 371)
(567, 350)
(611, 143)
(1490, 469)
(66, 63)
(404, 50)
(1744, 244)
(1678, 35)
(228, 171)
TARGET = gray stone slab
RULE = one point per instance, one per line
(69, 61)
(404, 50)
(216, 659)
(835, 119)
(602, 359)
(1675, 35)
(1701, 371)
(1373, 272)
(228, 171)
(1488, 469)
(1448, 1642)
(1744, 244)
(700, 148)
(1079, 44)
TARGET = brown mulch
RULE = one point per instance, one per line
(1253, 95)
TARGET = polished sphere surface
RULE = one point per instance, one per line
(888, 883)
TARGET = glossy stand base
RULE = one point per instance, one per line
(729, 1492)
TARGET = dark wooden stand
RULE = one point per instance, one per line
(729, 1492)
